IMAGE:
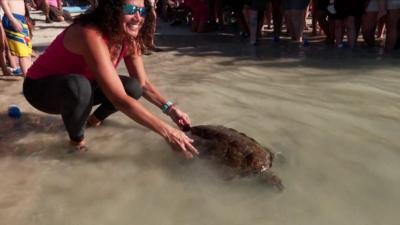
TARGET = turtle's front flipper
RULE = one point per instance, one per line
(273, 180)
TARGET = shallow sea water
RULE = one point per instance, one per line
(333, 114)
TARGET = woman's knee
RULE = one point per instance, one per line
(79, 88)
(132, 87)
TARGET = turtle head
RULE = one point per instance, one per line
(259, 161)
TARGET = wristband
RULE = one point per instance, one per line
(166, 106)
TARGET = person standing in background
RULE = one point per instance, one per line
(17, 32)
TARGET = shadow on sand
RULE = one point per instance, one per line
(269, 52)
(44, 137)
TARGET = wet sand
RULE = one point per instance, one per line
(333, 114)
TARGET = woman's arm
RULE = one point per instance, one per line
(96, 54)
(135, 67)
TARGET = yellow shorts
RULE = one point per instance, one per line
(19, 42)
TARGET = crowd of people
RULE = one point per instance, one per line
(338, 20)
(342, 22)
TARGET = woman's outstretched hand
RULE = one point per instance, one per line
(180, 118)
(181, 143)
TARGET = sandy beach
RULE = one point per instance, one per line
(334, 114)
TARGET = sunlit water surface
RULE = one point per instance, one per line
(333, 114)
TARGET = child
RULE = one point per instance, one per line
(17, 33)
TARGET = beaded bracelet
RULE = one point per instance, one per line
(166, 106)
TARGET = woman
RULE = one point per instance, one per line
(78, 70)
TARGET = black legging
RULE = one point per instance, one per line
(73, 96)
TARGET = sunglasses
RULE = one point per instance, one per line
(132, 9)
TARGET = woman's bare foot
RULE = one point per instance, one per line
(77, 147)
(93, 121)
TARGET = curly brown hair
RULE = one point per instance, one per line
(106, 16)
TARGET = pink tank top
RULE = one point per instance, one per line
(58, 61)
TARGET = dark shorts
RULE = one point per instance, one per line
(258, 4)
(296, 4)
(237, 5)
(346, 8)
(322, 5)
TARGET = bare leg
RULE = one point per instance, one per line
(322, 22)
(12, 59)
(338, 32)
(289, 24)
(253, 26)
(242, 21)
(3, 63)
(268, 15)
(3, 47)
(93, 121)
(277, 17)
(46, 10)
(298, 24)
(218, 8)
(25, 63)
(381, 27)
(368, 28)
(260, 22)
(351, 31)
(195, 25)
(331, 25)
(314, 17)
(302, 24)
(6, 51)
(203, 27)
(246, 14)
(391, 36)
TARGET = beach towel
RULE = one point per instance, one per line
(19, 42)
(75, 9)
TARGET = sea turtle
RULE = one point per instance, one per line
(235, 150)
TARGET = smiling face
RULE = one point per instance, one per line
(132, 20)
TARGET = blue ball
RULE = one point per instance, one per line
(14, 111)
